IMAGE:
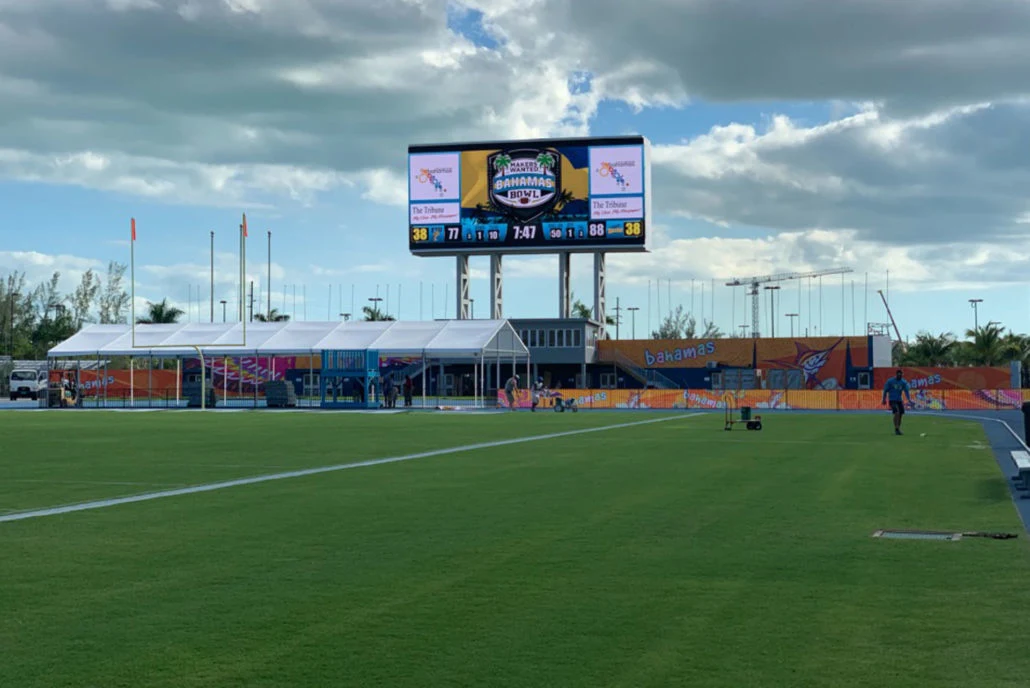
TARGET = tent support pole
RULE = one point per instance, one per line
(178, 380)
(311, 372)
(203, 379)
(424, 366)
(132, 382)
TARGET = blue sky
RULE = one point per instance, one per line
(827, 173)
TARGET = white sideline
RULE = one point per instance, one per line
(210, 487)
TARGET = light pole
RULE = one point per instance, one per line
(472, 305)
(976, 314)
(212, 276)
(223, 302)
(743, 330)
(792, 316)
(772, 309)
(375, 300)
(345, 316)
(633, 319)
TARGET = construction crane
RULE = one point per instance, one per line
(891, 316)
(754, 283)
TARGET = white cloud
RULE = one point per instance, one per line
(266, 103)
(257, 100)
(948, 176)
(927, 266)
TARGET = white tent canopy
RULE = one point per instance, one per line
(436, 339)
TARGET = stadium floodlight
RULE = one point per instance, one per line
(196, 346)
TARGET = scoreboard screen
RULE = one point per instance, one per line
(530, 196)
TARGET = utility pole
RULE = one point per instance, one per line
(618, 316)
(251, 317)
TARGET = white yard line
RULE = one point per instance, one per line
(46, 481)
(211, 487)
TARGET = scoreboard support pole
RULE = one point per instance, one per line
(496, 287)
(564, 290)
(600, 287)
(462, 288)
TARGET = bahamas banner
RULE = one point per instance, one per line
(947, 378)
(679, 353)
(119, 382)
(821, 400)
(821, 360)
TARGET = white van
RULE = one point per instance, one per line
(27, 383)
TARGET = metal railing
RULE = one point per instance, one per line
(642, 375)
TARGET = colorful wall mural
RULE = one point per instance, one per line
(948, 378)
(835, 400)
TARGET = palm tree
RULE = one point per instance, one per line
(545, 160)
(502, 161)
(272, 316)
(581, 310)
(158, 313)
(932, 350)
(375, 315)
(1017, 348)
(988, 345)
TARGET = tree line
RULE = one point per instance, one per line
(987, 345)
(33, 318)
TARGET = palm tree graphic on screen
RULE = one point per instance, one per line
(502, 162)
(546, 161)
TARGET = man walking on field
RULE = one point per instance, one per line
(511, 390)
(893, 390)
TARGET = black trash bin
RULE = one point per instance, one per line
(1026, 421)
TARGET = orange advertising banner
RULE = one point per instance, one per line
(822, 361)
(820, 358)
(822, 400)
(119, 382)
(947, 378)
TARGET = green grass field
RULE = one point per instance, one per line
(669, 554)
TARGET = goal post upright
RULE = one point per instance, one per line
(198, 347)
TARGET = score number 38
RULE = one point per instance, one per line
(630, 229)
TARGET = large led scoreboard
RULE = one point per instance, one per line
(539, 196)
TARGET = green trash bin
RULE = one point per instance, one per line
(745, 413)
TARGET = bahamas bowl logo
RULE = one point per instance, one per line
(525, 183)
(607, 169)
(424, 176)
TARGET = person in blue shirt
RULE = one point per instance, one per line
(893, 391)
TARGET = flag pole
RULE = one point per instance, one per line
(132, 278)
(132, 297)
